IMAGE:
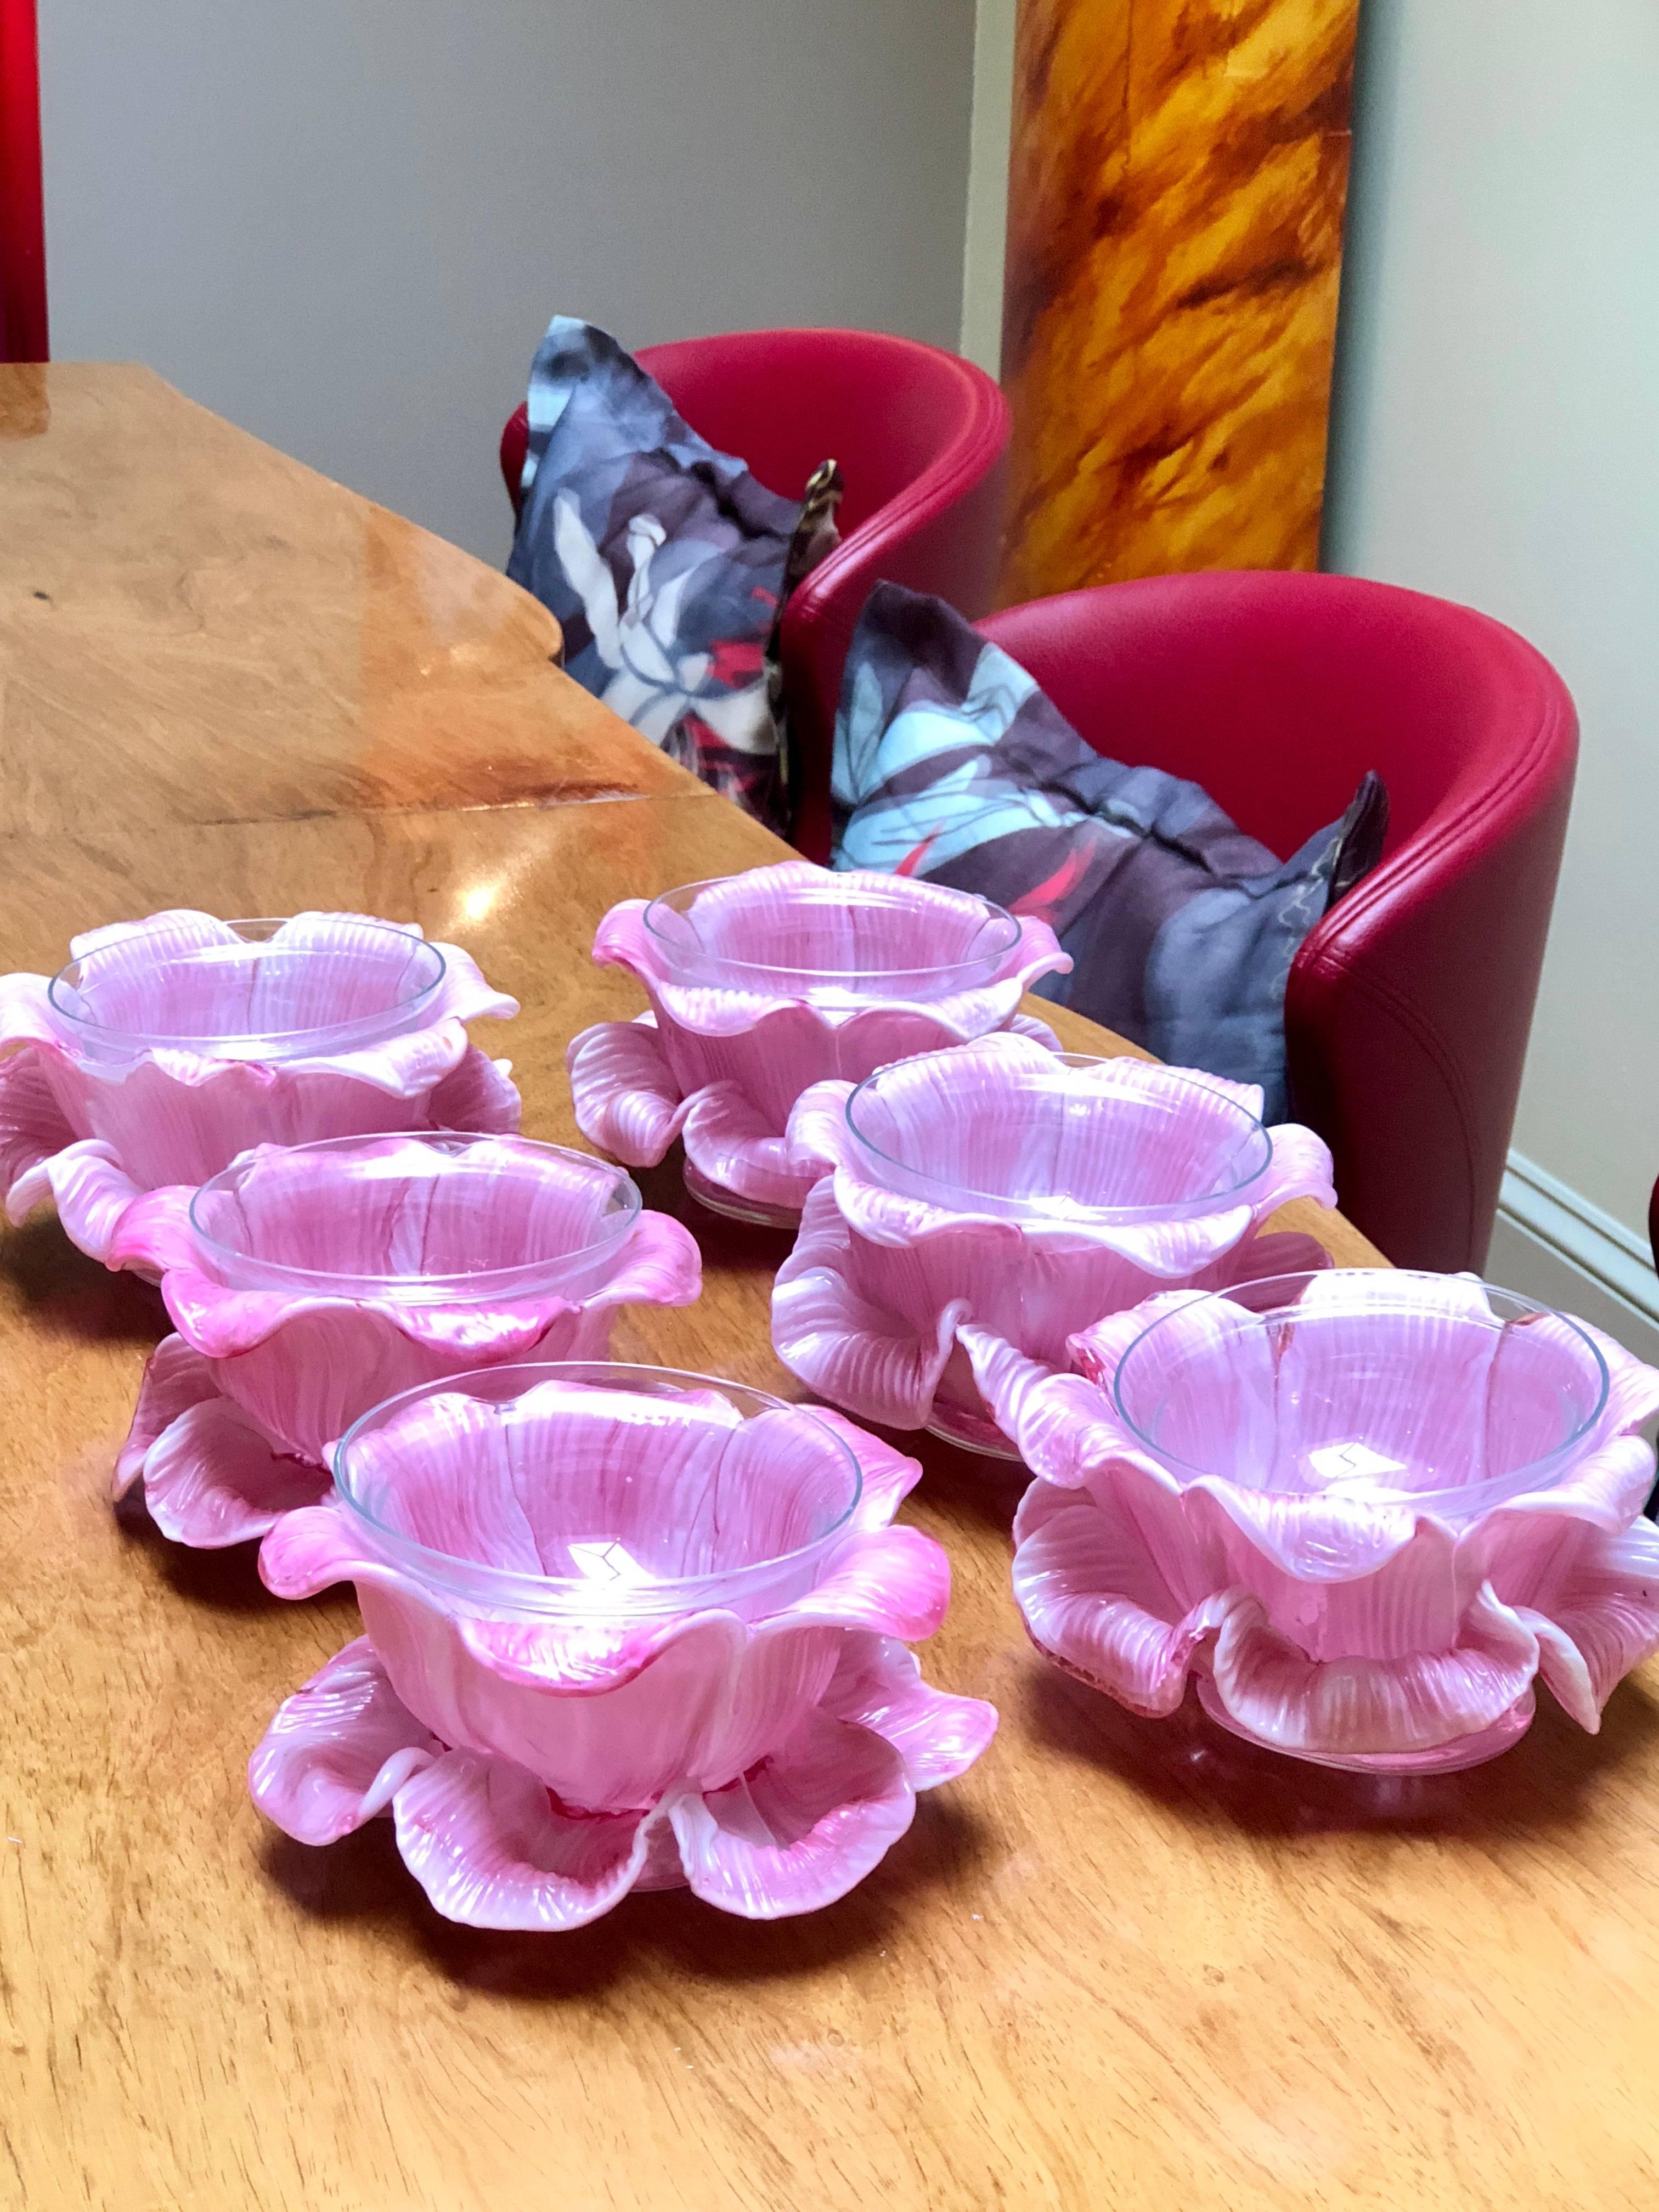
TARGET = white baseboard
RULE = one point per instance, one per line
(1553, 1245)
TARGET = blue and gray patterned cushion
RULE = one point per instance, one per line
(663, 560)
(951, 764)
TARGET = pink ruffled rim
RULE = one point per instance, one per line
(868, 1574)
(43, 1155)
(747, 902)
(399, 1064)
(555, 1207)
(1426, 1640)
(927, 1094)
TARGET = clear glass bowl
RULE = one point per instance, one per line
(1382, 1389)
(840, 944)
(1076, 1141)
(250, 998)
(647, 1492)
(429, 1217)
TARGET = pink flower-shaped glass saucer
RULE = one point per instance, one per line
(308, 1284)
(624, 1628)
(1367, 1510)
(167, 1047)
(1030, 1192)
(763, 984)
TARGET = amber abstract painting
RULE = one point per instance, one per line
(1176, 187)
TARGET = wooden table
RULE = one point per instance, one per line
(1121, 1963)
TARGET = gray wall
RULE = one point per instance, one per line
(1496, 438)
(344, 223)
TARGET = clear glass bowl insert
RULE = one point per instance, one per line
(348, 982)
(1373, 1385)
(583, 1488)
(430, 1218)
(850, 940)
(1074, 1140)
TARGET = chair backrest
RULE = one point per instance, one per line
(1409, 1006)
(922, 437)
(887, 407)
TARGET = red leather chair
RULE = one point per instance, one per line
(922, 437)
(22, 229)
(1409, 1006)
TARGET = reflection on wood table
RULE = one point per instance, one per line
(194, 628)
(1119, 1963)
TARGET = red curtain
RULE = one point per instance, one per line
(22, 226)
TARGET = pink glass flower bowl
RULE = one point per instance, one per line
(763, 984)
(1029, 1193)
(167, 1047)
(305, 1285)
(1368, 1511)
(625, 1628)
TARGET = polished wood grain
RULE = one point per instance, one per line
(1178, 182)
(194, 628)
(1120, 1965)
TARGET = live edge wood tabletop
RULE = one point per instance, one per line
(1121, 1963)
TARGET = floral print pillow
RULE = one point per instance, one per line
(951, 765)
(665, 561)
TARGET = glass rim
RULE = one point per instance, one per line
(569, 1597)
(1244, 1296)
(1072, 1214)
(283, 1044)
(991, 912)
(483, 1286)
